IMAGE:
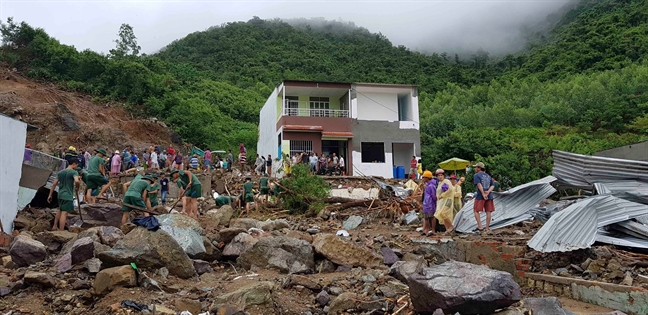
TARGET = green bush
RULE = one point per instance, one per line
(304, 187)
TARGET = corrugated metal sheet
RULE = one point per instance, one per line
(620, 186)
(510, 207)
(620, 240)
(576, 226)
(584, 171)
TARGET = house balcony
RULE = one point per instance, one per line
(293, 108)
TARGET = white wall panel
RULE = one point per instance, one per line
(267, 143)
(13, 134)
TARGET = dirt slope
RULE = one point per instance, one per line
(67, 118)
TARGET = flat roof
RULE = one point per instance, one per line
(306, 82)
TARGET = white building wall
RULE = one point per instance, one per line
(385, 170)
(377, 106)
(267, 143)
(13, 134)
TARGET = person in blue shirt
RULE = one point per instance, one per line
(483, 196)
(135, 160)
(164, 183)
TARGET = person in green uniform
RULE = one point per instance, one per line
(224, 200)
(248, 194)
(96, 180)
(153, 191)
(193, 191)
(264, 189)
(136, 194)
(68, 178)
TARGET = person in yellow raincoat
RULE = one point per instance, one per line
(457, 204)
(445, 201)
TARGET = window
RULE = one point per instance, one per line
(319, 106)
(292, 106)
(299, 146)
(372, 152)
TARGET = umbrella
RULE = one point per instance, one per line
(454, 164)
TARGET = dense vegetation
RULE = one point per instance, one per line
(582, 88)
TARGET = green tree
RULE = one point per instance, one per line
(126, 43)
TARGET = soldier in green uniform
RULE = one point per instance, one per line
(96, 180)
(136, 195)
(153, 191)
(193, 190)
(224, 200)
(264, 189)
(248, 194)
(68, 178)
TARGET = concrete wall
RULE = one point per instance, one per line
(12, 142)
(637, 151)
(387, 133)
(402, 154)
(377, 106)
(267, 142)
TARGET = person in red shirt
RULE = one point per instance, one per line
(413, 168)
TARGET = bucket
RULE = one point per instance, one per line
(401, 171)
(395, 172)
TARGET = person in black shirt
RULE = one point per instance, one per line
(164, 183)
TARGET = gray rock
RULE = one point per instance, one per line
(93, 265)
(239, 245)
(211, 252)
(82, 250)
(312, 231)
(4, 291)
(390, 291)
(190, 241)
(202, 266)
(336, 290)
(163, 272)
(228, 234)
(562, 270)
(64, 263)
(109, 235)
(368, 278)
(258, 293)
(545, 306)
(150, 250)
(323, 298)
(39, 278)
(25, 251)
(178, 220)
(411, 218)
(244, 223)
(283, 253)
(344, 252)
(478, 290)
(352, 222)
(342, 302)
(107, 279)
(273, 225)
(221, 216)
(389, 257)
(324, 266)
(402, 270)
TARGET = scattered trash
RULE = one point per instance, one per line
(134, 305)
(342, 233)
(411, 218)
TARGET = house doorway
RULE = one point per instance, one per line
(339, 147)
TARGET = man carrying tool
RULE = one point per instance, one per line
(247, 196)
(68, 178)
(264, 189)
(96, 180)
(193, 190)
(136, 195)
(153, 191)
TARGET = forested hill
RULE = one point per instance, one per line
(582, 88)
(270, 51)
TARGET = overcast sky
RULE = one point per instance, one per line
(429, 25)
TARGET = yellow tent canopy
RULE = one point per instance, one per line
(454, 164)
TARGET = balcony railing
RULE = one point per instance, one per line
(307, 112)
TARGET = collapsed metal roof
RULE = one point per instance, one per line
(582, 171)
(576, 226)
(511, 207)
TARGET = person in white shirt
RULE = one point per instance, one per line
(342, 165)
(154, 160)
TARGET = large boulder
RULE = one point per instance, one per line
(244, 223)
(239, 245)
(288, 255)
(82, 250)
(402, 270)
(100, 214)
(462, 287)
(190, 241)
(345, 253)
(25, 251)
(92, 233)
(39, 278)
(272, 225)
(109, 235)
(253, 294)
(60, 237)
(221, 216)
(228, 234)
(107, 279)
(152, 250)
(178, 220)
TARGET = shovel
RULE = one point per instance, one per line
(79, 222)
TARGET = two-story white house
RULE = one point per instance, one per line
(373, 126)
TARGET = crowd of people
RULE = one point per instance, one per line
(331, 164)
(442, 199)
